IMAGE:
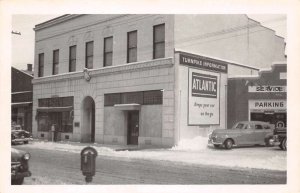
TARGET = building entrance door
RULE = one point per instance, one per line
(56, 119)
(132, 127)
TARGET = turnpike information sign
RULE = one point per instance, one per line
(204, 101)
(203, 62)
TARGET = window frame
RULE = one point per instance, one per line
(155, 43)
(105, 52)
(89, 56)
(131, 48)
(41, 64)
(72, 61)
(55, 64)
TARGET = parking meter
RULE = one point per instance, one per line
(88, 163)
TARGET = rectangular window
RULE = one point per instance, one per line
(72, 59)
(132, 46)
(55, 62)
(159, 41)
(108, 51)
(112, 99)
(89, 53)
(41, 65)
(153, 97)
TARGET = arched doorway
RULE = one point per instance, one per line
(88, 120)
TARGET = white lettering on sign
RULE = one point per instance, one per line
(267, 104)
(267, 88)
(204, 99)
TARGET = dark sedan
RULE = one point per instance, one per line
(19, 166)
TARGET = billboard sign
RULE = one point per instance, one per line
(204, 100)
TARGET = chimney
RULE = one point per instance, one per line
(29, 67)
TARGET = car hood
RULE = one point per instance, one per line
(16, 155)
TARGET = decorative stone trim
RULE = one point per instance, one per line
(152, 64)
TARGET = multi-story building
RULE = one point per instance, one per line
(21, 97)
(142, 79)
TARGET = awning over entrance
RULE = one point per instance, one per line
(128, 107)
(54, 109)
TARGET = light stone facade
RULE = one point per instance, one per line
(163, 124)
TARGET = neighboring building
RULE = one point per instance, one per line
(21, 98)
(125, 79)
(259, 98)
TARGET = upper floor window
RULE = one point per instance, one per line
(132, 46)
(41, 65)
(159, 41)
(108, 51)
(89, 52)
(55, 62)
(72, 59)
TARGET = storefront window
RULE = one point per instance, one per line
(43, 122)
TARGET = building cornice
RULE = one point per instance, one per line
(104, 71)
(55, 21)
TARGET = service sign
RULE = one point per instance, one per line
(266, 88)
(204, 102)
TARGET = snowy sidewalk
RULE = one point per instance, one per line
(194, 151)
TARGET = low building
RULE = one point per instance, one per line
(21, 98)
(142, 79)
(259, 98)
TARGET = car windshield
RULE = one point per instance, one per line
(238, 126)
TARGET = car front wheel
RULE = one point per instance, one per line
(228, 144)
(269, 142)
(18, 181)
(283, 144)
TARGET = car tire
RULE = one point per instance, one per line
(25, 142)
(228, 143)
(18, 181)
(268, 143)
(283, 144)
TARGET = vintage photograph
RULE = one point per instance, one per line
(148, 99)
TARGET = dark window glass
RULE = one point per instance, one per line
(108, 51)
(132, 97)
(132, 46)
(72, 59)
(89, 52)
(43, 121)
(153, 97)
(67, 122)
(41, 65)
(159, 41)
(112, 99)
(258, 127)
(55, 62)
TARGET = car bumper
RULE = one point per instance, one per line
(18, 175)
(21, 140)
(211, 142)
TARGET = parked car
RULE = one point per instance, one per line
(280, 138)
(18, 135)
(19, 166)
(243, 133)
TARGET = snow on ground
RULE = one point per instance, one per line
(193, 151)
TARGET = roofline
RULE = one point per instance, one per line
(23, 72)
(264, 26)
(260, 72)
(55, 21)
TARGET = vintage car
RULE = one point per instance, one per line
(19, 166)
(18, 135)
(243, 133)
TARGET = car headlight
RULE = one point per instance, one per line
(26, 156)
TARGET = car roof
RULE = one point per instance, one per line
(254, 122)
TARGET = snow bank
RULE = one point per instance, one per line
(195, 144)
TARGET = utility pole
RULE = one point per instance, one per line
(16, 33)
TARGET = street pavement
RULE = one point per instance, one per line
(60, 167)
